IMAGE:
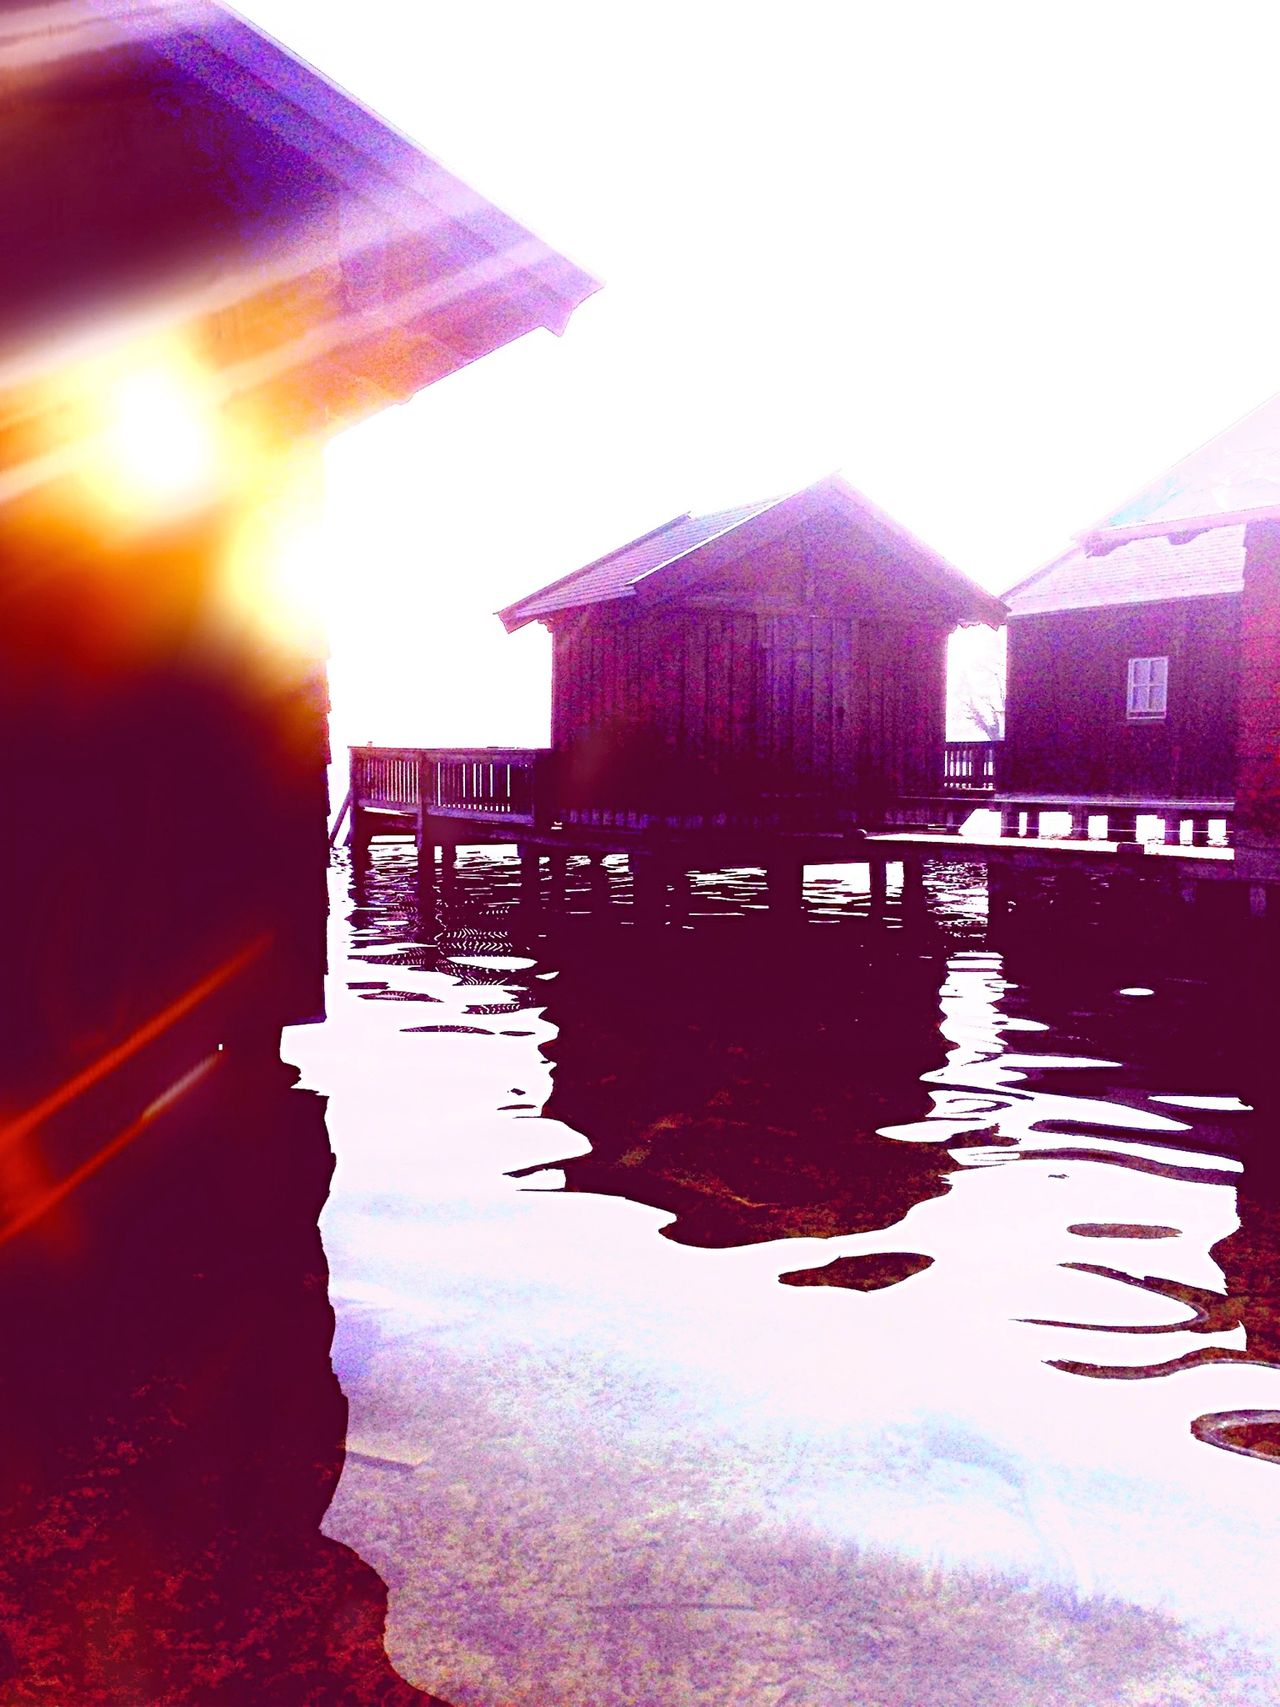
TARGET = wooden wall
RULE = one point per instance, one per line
(1068, 731)
(1258, 820)
(737, 704)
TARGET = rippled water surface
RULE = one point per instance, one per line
(735, 1312)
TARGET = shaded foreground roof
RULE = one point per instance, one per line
(642, 564)
(1138, 571)
(1235, 477)
(165, 164)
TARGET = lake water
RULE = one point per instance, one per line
(792, 1316)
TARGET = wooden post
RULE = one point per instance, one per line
(426, 873)
(997, 893)
(530, 875)
(877, 872)
(914, 896)
(1079, 830)
(648, 887)
(1122, 826)
(559, 863)
(340, 819)
(597, 880)
(448, 867)
(784, 879)
(1010, 817)
(676, 881)
(361, 840)
(1172, 829)
(423, 835)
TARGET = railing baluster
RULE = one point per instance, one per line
(464, 782)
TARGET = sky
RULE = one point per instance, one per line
(997, 263)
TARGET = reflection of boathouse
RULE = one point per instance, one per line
(782, 661)
(744, 1095)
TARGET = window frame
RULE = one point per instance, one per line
(1146, 698)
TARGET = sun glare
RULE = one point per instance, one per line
(276, 577)
(158, 448)
(160, 441)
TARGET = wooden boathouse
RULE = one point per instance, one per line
(763, 687)
(1144, 665)
(1123, 677)
(779, 664)
(754, 686)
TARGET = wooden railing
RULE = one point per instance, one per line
(515, 785)
(386, 779)
(448, 782)
(969, 765)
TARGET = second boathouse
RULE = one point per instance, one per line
(781, 664)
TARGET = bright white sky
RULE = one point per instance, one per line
(999, 262)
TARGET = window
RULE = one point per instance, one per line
(1148, 693)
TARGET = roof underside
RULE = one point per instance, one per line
(1139, 571)
(645, 564)
(167, 164)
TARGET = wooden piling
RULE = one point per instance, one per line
(361, 840)
(448, 867)
(784, 880)
(530, 876)
(998, 888)
(879, 888)
(558, 884)
(914, 895)
(648, 887)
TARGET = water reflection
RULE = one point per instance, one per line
(740, 1088)
(979, 1175)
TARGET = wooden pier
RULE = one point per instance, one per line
(445, 798)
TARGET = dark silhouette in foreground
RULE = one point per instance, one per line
(174, 1431)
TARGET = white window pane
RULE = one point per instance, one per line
(1148, 687)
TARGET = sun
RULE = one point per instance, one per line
(160, 446)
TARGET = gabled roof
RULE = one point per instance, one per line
(617, 574)
(166, 165)
(1139, 571)
(1233, 478)
(648, 563)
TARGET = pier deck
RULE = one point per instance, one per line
(448, 797)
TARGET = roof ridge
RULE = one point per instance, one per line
(1110, 524)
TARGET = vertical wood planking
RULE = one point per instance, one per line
(846, 703)
(719, 688)
(695, 684)
(823, 701)
(747, 737)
